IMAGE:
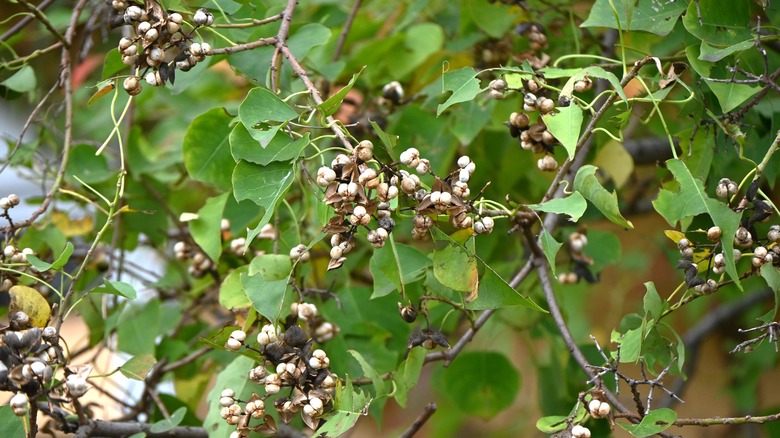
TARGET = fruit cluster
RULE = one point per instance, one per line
(360, 190)
(295, 364)
(765, 250)
(28, 357)
(158, 45)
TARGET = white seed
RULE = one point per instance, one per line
(238, 335)
(124, 43)
(129, 60)
(153, 78)
(176, 17)
(464, 161)
(593, 405)
(203, 17)
(19, 404)
(133, 13)
(464, 175)
(131, 50)
(157, 54)
(233, 344)
(409, 155)
(151, 35)
(143, 27)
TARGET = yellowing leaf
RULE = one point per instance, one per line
(72, 227)
(30, 301)
(101, 92)
(613, 159)
(675, 235)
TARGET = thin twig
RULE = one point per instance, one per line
(254, 22)
(244, 47)
(24, 21)
(419, 422)
(27, 123)
(46, 23)
(122, 429)
(345, 30)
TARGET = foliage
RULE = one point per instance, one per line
(288, 211)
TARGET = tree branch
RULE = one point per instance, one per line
(345, 30)
(108, 429)
(419, 422)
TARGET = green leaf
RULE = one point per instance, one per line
(233, 377)
(231, 292)
(267, 297)
(573, 205)
(604, 248)
(306, 38)
(263, 185)
(22, 81)
(11, 425)
(552, 423)
(498, 292)
(593, 72)
(379, 385)
(332, 104)
(463, 84)
(138, 327)
(168, 424)
(729, 95)
(565, 125)
(723, 22)
(420, 42)
(279, 148)
(654, 305)
(138, 366)
(350, 405)
(550, 246)
(654, 422)
(714, 54)
(86, 166)
(207, 149)
(271, 266)
(262, 105)
(62, 259)
(118, 288)
(494, 19)
(206, 229)
(469, 121)
(481, 384)
(648, 16)
(691, 200)
(630, 345)
(112, 64)
(387, 139)
(407, 374)
(455, 268)
(495, 293)
(772, 277)
(395, 265)
(586, 183)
